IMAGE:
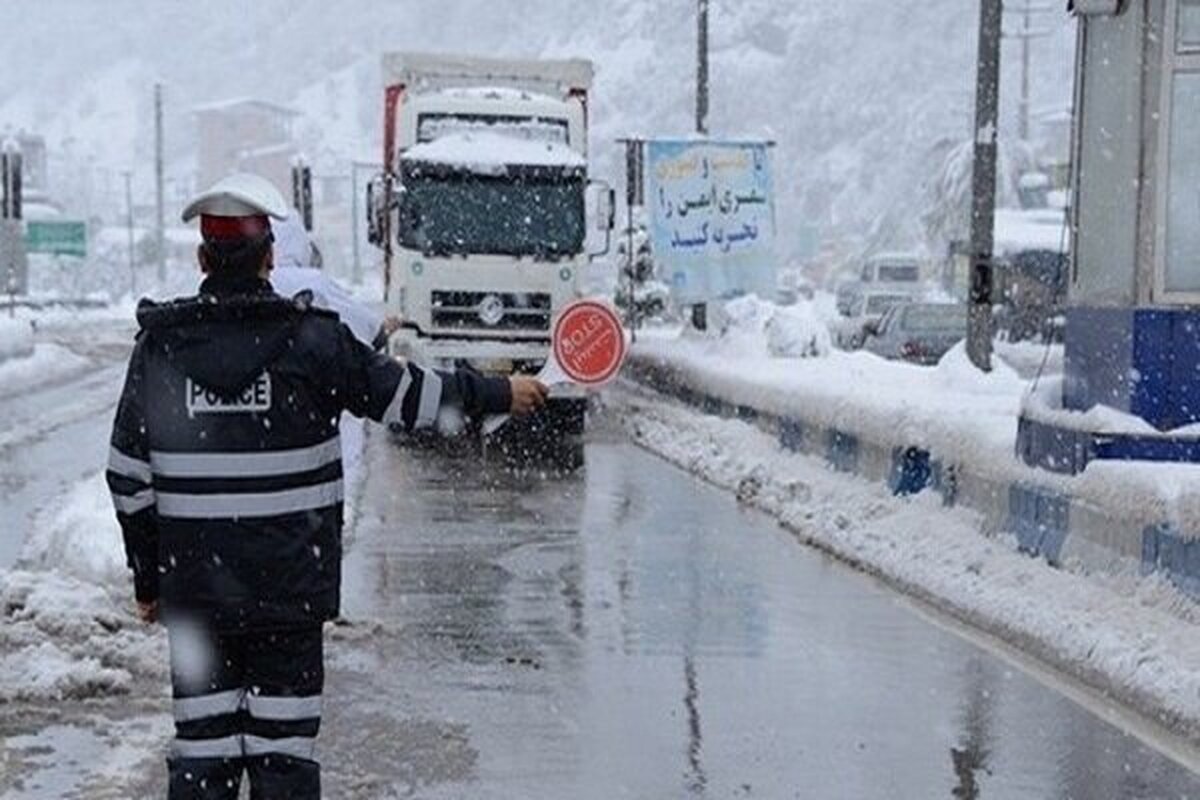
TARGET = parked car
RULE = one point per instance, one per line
(866, 311)
(883, 272)
(892, 268)
(918, 332)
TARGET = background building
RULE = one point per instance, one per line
(245, 135)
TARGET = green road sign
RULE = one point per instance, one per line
(58, 237)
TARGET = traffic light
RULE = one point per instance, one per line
(10, 166)
(302, 199)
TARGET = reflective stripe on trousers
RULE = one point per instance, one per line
(230, 701)
(244, 745)
(257, 706)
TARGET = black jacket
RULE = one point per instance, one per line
(225, 466)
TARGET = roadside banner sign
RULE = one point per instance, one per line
(711, 206)
(56, 237)
(588, 348)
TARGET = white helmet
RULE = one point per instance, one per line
(239, 195)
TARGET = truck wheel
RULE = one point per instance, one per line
(567, 417)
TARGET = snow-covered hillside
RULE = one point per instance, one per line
(862, 96)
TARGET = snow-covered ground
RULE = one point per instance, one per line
(44, 362)
(28, 361)
(1133, 640)
(16, 339)
(963, 416)
(952, 408)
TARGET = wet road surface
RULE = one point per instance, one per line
(621, 631)
(625, 631)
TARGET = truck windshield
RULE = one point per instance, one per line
(539, 213)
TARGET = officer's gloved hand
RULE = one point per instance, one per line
(528, 394)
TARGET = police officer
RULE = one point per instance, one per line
(226, 476)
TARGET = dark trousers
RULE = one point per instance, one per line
(246, 702)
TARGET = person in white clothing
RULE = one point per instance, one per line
(295, 272)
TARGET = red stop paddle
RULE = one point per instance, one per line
(587, 349)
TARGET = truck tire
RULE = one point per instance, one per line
(567, 417)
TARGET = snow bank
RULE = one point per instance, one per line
(966, 422)
(46, 363)
(752, 327)
(1043, 403)
(1020, 230)
(62, 637)
(953, 409)
(46, 671)
(67, 627)
(79, 537)
(796, 332)
(956, 373)
(23, 363)
(16, 339)
(1132, 639)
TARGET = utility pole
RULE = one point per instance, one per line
(702, 68)
(160, 237)
(983, 206)
(356, 247)
(128, 175)
(635, 197)
(1026, 35)
(700, 310)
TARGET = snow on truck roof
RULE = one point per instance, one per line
(498, 93)
(490, 153)
(432, 71)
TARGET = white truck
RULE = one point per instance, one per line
(482, 210)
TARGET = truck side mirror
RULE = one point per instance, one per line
(604, 207)
(379, 203)
(373, 233)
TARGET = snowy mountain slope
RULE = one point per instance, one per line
(857, 94)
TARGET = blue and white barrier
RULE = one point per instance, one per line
(1117, 518)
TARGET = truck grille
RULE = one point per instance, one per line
(520, 311)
